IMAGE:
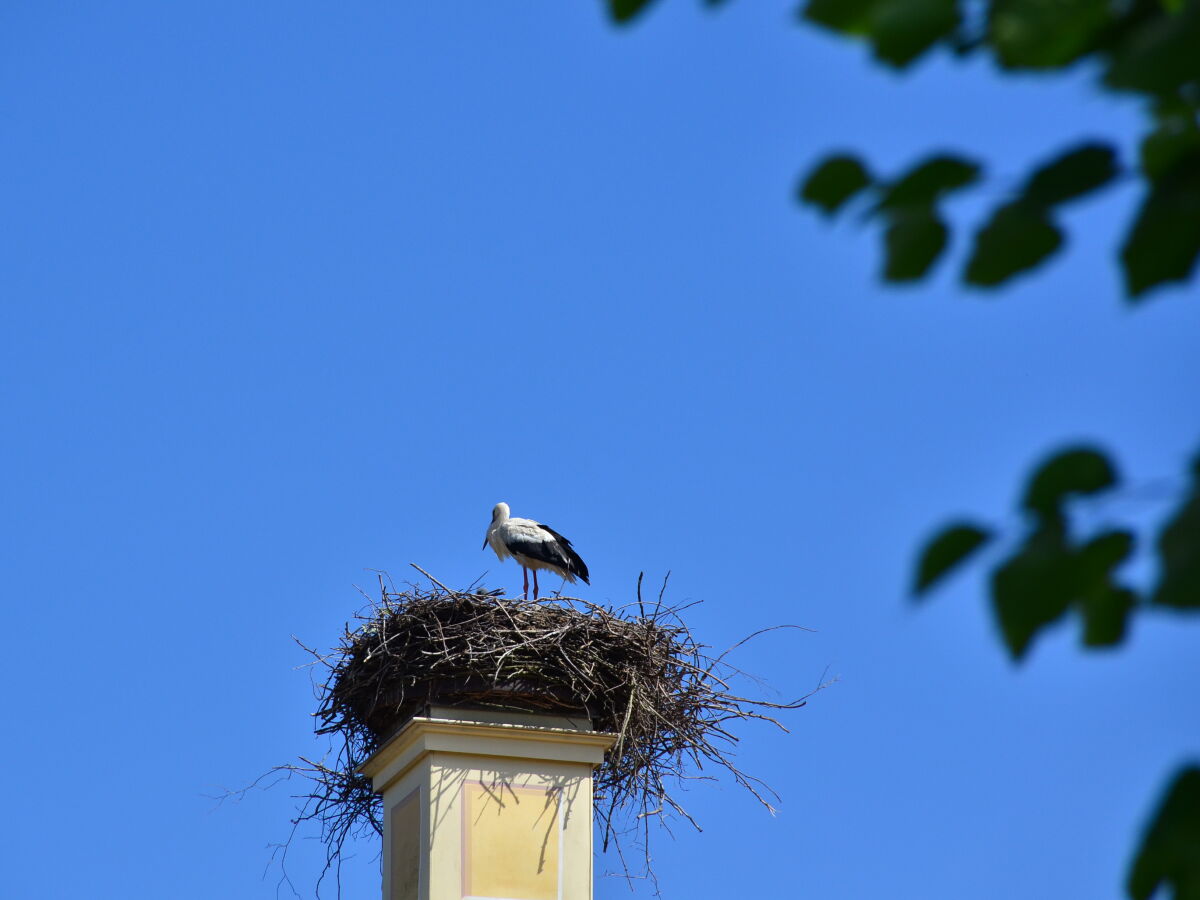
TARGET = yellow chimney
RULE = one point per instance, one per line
(485, 805)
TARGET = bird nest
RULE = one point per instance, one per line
(636, 672)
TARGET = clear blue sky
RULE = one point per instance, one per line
(297, 290)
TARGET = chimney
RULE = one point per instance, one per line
(488, 805)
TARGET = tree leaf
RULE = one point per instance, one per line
(1104, 605)
(929, 180)
(626, 10)
(951, 547)
(1073, 174)
(913, 240)
(1098, 557)
(846, 16)
(1041, 34)
(834, 181)
(1079, 470)
(1179, 554)
(1164, 242)
(1106, 616)
(1170, 849)
(903, 30)
(1169, 145)
(1032, 588)
(1016, 238)
(1159, 56)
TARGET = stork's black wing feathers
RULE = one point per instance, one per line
(573, 563)
(553, 549)
(557, 552)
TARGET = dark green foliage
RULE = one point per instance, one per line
(848, 16)
(1017, 237)
(1079, 470)
(1050, 572)
(1022, 233)
(1103, 604)
(1179, 553)
(953, 545)
(902, 30)
(1105, 615)
(1151, 47)
(1176, 142)
(913, 241)
(925, 183)
(1032, 588)
(834, 181)
(1157, 55)
(1148, 47)
(899, 31)
(1048, 575)
(1043, 34)
(914, 234)
(1071, 175)
(1170, 852)
(626, 10)
(1165, 239)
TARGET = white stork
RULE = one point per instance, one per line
(533, 545)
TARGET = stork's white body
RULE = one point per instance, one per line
(534, 546)
(517, 530)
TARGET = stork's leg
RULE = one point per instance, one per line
(535, 587)
(525, 572)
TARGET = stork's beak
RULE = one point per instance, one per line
(484, 547)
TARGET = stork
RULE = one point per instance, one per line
(533, 545)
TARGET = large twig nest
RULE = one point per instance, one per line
(636, 672)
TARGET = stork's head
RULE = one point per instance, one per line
(499, 515)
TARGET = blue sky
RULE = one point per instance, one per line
(296, 291)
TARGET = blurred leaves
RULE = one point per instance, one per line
(1032, 588)
(1052, 571)
(1021, 233)
(623, 11)
(1144, 46)
(1017, 237)
(1048, 573)
(1179, 552)
(1170, 850)
(1043, 34)
(1079, 470)
(1147, 47)
(913, 241)
(925, 183)
(1048, 576)
(914, 234)
(1164, 241)
(1156, 53)
(1174, 143)
(1103, 604)
(1071, 175)
(899, 31)
(953, 545)
(835, 181)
